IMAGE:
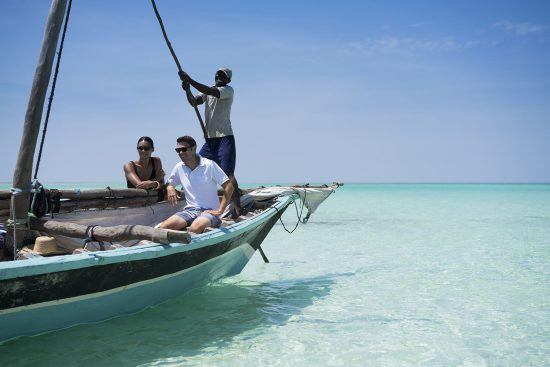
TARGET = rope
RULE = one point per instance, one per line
(111, 195)
(54, 82)
(16, 224)
(177, 62)
(36, 187)
(77, 192)
(90, 238)
(298, 215)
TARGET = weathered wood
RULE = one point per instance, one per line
(71, 205)
(111, 234)
(105, 193)
(100, 194)
(23, 168)
(4, 215)
(93, 193)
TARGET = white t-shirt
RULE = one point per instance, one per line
(201, 184)
(217, 112)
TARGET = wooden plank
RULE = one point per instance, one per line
(101, 194)
(73, 205)
(104, 193)
(92, 193)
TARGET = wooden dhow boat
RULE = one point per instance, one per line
(41, 294)
(110, 260)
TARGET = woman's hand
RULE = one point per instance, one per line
(147, 185)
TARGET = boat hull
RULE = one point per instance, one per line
(76, 289)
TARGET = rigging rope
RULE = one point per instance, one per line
(298, 215)
(52, 91)
(177, 63)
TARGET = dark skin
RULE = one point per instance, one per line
(220, 80)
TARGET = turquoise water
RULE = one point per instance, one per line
(382, 275)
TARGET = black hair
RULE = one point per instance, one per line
(187, 139)
(147, 139)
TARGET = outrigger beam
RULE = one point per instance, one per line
(110, 234)
(23, 169)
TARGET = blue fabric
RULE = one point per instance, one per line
(222, 151)
(189, 214)
(215, 221)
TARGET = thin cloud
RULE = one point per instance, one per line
(420, 24)
(521, 29)
(386, 45)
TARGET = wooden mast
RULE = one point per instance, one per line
(23, 169)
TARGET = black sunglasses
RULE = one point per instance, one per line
(184, 149)
(146, 149)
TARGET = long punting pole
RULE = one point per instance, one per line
(205, 134)
(23, 169)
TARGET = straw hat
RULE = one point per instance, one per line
(46, 246)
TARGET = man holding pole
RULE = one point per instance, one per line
(220, 142)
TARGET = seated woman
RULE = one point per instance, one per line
(146, 172)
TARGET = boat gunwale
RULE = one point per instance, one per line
(36, 266)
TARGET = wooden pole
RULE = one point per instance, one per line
(23, 169)
(93, 194)
(111, 234)
(205, 134)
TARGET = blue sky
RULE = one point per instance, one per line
(356, 91)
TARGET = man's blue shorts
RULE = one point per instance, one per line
(189, 214)
(222, 151)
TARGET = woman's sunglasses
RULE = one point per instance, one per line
(184, 149)
(145, 149)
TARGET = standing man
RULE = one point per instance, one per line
(220, 142)
(199, 178)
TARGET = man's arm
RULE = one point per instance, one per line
(211, 91)
(227, 187)
(193, 101)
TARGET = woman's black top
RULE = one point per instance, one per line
(152, 178)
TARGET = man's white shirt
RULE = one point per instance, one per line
(201, 184)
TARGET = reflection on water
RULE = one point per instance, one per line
(208, 317)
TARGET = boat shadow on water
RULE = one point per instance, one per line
(202, 321)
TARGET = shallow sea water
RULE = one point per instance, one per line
(382, 275)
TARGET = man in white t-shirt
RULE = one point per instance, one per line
(199, 178)
(220, 141)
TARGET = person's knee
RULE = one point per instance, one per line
(196, 228)
(199, 225)
(174, 222)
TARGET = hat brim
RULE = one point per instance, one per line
(45, 254)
